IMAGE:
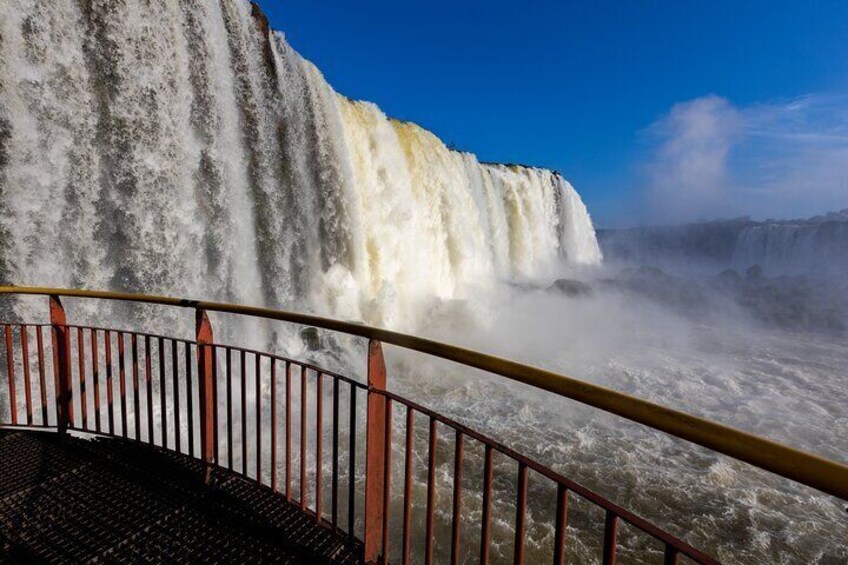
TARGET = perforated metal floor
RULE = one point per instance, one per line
(109, 500)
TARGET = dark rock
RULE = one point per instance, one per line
(311, 338)
(754, 273)
(5, 137)
(264, 28)
(571, 287)
(260, 18)
(729, 278)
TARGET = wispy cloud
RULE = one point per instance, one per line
(709, 158)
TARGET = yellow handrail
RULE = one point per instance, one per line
(828, 476)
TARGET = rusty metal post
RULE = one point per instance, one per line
(206, 390)
(375, 453)
(62, 366)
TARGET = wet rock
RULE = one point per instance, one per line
(754, 273)
(311, 338)
(5, 137)
(728, 279)
(264, 28)
(571, 287)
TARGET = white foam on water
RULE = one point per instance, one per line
(173, 147)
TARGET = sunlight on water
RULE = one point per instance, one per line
(174, 147)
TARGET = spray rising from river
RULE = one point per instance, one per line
(181, 147)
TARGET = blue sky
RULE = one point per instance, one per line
(657, 111)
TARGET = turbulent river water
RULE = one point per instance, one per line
(787, 386)
(181, 147)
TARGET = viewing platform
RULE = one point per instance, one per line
(72, 500)
(123, 446)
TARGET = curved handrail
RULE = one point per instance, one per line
(828, 476)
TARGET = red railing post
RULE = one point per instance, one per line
(62, 367)
(375, 460)
(206, 390)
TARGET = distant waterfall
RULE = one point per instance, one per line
(816, 247)
(181, 147)
(819, 250)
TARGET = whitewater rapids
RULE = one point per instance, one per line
(181, 147)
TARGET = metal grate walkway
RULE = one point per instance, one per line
(73, 500)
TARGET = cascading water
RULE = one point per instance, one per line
(817, 249)
(180, 147)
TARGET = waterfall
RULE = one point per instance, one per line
(182, 147)
(816, 247)
(812, 249)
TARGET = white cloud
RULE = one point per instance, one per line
(710, 159)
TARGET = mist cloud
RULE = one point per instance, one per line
(709, 158)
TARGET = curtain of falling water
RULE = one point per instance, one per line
(180, 147)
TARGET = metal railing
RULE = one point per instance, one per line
(216, 394)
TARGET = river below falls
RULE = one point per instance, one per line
(788, 387)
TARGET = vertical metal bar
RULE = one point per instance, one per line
(257, 383)
(487, 506)
(457, 498)
(110, 392)
(10, 372)
(407, 485)
(81, 360)
(375, 449)
(163, 395)
(387, 481)
(42, 381)
(671, 556)
(95, 378)
(303, 375)
(148, 385)
(351, 471)
(136, 402)
(67, 378)
(431, 494)
(215, 424)
(57, 386)
(319, 438)
(244, 413)
(204, 338)
(229, 378)
(273, 424)
(175, 374)
(189, 400)
(335, 500)
(27, 383)
(561, 519)
(122, 382)
(610, 529)
(61, 364)
(288, 431)
(520, 514)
